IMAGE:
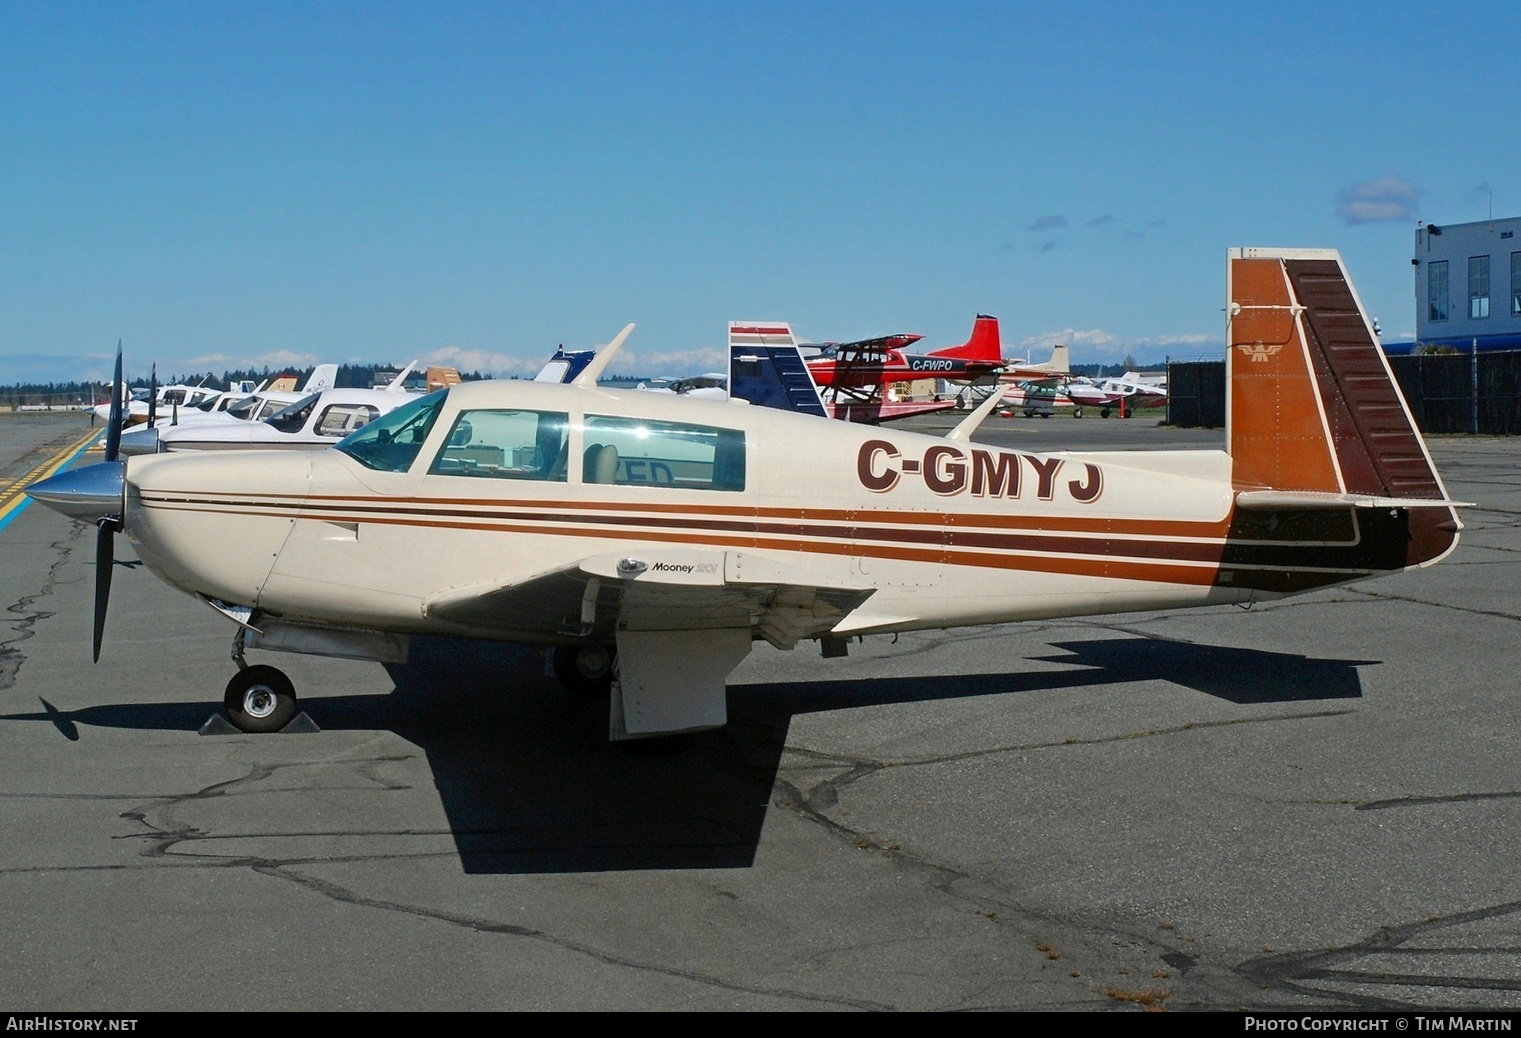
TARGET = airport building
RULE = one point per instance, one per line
(1468, 284)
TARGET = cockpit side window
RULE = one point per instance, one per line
(503, 444)
(391, 443)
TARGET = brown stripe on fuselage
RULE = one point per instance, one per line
(1249, 563)
(1205, 528)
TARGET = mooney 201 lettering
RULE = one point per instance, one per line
(650, 540)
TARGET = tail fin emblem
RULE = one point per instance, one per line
(1258, 352)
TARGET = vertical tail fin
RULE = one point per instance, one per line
(1313, 410)
(1059, 364)
(323, 376)
(984, 345)
(766, 368)
(441, 376)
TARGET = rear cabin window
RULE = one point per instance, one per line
(636, 452)
(506, 445)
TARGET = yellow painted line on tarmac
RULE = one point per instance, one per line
(13, 492)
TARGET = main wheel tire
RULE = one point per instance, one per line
(585, 670)
(260, 699)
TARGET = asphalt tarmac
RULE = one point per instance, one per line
(1311, 804)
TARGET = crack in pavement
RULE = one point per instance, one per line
(1096, 740)
(1435, 605)
(12, 658)
(167, 839)
(1082, 941)
(1294, 969)
(1454, 798)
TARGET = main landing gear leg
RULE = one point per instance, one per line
(584, 670)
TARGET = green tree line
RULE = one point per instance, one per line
(65, 394)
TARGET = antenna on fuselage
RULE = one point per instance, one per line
(963, 432)
(599, 363)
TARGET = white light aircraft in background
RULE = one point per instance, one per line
(650, 540)
(309, 422)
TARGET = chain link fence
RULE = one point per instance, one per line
(1447, 392)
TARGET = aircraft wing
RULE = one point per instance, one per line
(682, 620)
(876, 347)
(664, 589)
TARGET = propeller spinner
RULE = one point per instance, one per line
(95, 494)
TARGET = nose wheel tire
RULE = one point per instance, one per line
(260, 699)
(585, 670)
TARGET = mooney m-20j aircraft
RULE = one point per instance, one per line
(650, 540)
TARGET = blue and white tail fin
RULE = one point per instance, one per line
(766, 368)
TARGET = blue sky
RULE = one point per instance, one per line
(264, 183)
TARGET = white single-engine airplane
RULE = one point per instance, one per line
(650, 540)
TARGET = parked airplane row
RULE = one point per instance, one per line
(853, 381)
(650, 541)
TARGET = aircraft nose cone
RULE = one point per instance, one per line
(139, 441)
(89, 494)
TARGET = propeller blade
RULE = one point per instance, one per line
(153, 396)
(105, 561)
(113, 426)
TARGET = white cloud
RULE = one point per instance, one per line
(273, 359)
(487, 362)
(672, 362)
(1373, 201)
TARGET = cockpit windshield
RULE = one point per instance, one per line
(391, 443)
(244, 408)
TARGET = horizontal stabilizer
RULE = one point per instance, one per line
(1270, 500)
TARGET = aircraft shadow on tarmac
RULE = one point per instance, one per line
(530, 784)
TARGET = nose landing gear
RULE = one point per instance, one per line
(260, 699)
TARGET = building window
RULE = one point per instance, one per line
(1478, 287)
(1436, 291)
(1515, 284)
